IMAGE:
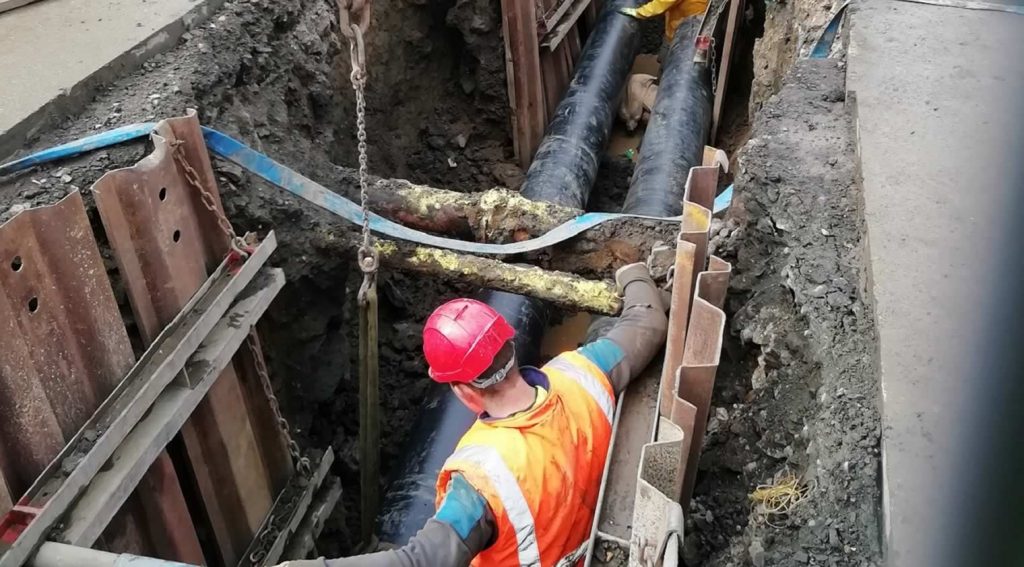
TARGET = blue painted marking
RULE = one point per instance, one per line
(723, 201)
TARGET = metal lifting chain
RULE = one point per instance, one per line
(353, 20)
(238, 244)
(241, 247)
(712, 58)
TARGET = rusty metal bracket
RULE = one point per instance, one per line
(70, 473)
(703, 351)
(63, 346)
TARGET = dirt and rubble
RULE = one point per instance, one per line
(797, 392)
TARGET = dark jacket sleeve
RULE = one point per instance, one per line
(463, 527)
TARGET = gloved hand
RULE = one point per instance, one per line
(632, 273)
(631, 12)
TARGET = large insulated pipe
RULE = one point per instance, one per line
(566, 163)
(563, 172)
(677, 131)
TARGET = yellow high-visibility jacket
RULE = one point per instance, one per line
(675, 12)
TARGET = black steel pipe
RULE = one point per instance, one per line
(563, 172)
(677, 131)
(566, 163)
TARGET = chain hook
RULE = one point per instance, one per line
(353, 17)
(357, 53)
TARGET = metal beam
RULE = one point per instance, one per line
(70, 473)
(87, 519)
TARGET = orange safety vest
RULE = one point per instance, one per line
(540, 470)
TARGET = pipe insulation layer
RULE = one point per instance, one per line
(563, 172)
(677, 131)
(566, 163)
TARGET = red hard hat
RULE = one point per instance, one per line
(461, 339)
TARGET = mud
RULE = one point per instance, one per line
(797, 392)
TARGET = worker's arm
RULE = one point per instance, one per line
(650, 9)
(462, 527)
(637, 335)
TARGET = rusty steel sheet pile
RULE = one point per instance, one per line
(660, 424)
(165, 239)
(64, 350)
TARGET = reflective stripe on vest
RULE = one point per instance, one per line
(589, 382)
(505, 485)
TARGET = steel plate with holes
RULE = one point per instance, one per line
(63, 346)
(164, 241)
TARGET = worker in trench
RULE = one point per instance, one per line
(675, 12)
(641, 89)
(521, 487)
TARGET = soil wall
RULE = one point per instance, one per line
(797, 392)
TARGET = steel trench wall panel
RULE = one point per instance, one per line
(164, 242)
(63, 349)
(656, 511)
(63, 345)
(272, 445)
(701, 357)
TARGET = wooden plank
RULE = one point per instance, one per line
(567, 23)
(589, 18)
(525, 80)
(165, 241)
(731, 27)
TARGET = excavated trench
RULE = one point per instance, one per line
(274, 74)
